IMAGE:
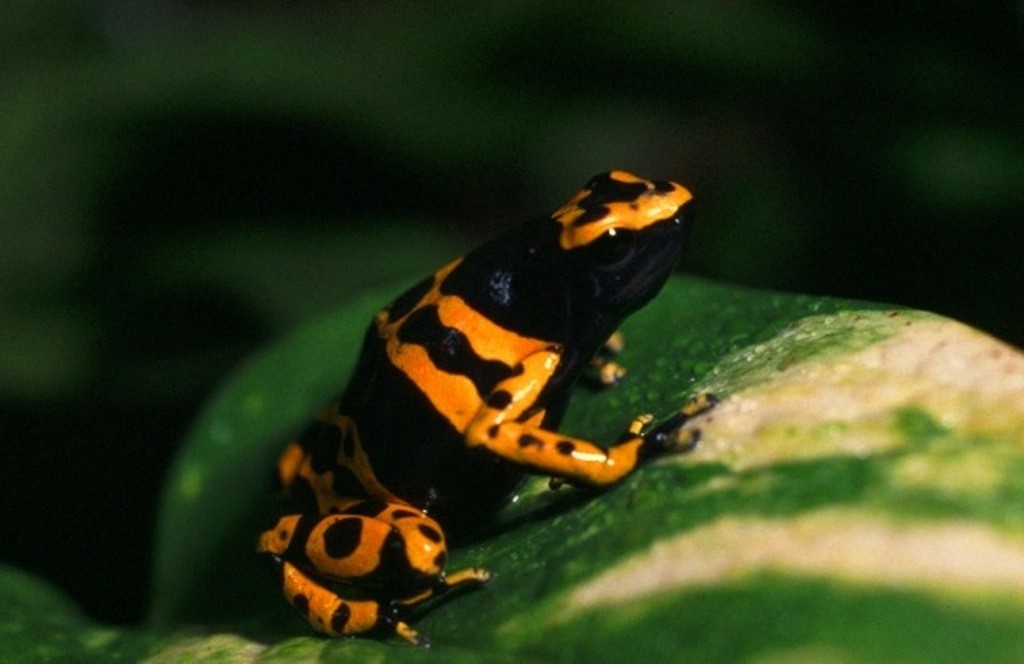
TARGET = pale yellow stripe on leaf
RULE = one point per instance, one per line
(837, 544)
(843, 402)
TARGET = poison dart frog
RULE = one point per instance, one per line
(458, 390)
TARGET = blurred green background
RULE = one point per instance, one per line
(183, 182)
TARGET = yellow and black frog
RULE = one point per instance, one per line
(459, 388)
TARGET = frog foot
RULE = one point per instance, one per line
(671, 436)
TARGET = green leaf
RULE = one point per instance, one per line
(857, 495)
(38, 623)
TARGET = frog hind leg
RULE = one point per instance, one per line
(424, 550)
(333, 615)
(390, 553)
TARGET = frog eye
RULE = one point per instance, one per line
(613, 249)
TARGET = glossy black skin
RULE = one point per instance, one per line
(524, 281)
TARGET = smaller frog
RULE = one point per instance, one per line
(459, 388)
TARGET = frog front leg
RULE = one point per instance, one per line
(391, 552)
(608, 371)
(498, 428)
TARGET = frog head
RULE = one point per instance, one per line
(623, 235)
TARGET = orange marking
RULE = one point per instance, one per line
(322, 605)
(290, 463)
(363, 560)
(487, 339)
(453, 396)
(650, 207)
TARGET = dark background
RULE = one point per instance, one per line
(183, 182)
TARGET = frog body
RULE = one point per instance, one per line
(459, 387)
